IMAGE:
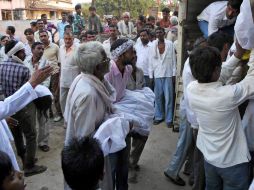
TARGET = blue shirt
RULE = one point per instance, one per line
(60, 27)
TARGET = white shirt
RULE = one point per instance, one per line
(107, 45)
(221, 138)
(28, 49)
(164, 65)
(187, 79)
(75, 41)
(37, 37)
(3, 56)
(215, 15)
(126, 30)
(69, 68)
(41, 63)
(142, 56)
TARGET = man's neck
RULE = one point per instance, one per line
(35, 60)
(145, 44)
(30, 43)
(161, 41)
(68, 49)
(112, 40)
(46, 44)
(120, 66)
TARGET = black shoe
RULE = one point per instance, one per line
(34, 170)
(176, 129)
(157, 122)
(170, 125)
(178, 181)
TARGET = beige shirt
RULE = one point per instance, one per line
(69, 68)
(51, 53)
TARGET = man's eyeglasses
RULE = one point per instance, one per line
(107, 60)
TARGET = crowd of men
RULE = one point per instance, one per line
(98, 86)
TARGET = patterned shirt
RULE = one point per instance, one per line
(12, 76)
(79, 24)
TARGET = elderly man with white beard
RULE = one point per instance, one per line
(90, 97)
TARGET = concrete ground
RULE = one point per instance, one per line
(159, 148)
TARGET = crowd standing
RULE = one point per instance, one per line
(110, 82)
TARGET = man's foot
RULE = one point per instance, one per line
(157, 122)
(137, 168)
(57, 119)
(177, 180)
(34, 170)
(44, 148)
(170, 125)
(133, 177)
(176, 129)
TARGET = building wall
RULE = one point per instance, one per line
(20, 26)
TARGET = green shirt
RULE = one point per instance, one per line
(78, 24)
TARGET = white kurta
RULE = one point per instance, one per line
(8, 107)
(85, 108)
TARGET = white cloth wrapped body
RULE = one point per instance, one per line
(137, 107)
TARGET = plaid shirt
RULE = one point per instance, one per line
(79, 22)
(12, 76)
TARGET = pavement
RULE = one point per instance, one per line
(156, 155)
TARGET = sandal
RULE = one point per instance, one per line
(44, 148)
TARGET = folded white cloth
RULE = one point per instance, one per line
(112, 133)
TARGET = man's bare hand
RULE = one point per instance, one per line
(39, 75)
(239, 50)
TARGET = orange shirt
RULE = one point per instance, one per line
(165, 23)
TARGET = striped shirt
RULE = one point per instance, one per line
(12, 76)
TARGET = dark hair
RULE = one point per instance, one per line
(64, 13)
(203, 62)
(3, 37)
(36, 44)
(235, 4)
(199, 41)
(82, 163)
(113, 26)
(29, 31)
(33, 23)
(165, 10)
(67, 26)
(43, 104)
(175, 13)
(6, 167)
(70, 17)
(42, 15)
(152, 33)
(219, 39)
(39, 20)
(10, 45)
(142, 18)
(91, 32)
(144, 30)
(118, 43)
(78, 6)
(92, 8)
(151, 18)
(160, 28)
(42, 31)
(11, 28)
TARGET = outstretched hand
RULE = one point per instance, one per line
(39, 75)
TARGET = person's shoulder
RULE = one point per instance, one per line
(106, 41)
(54, 45)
